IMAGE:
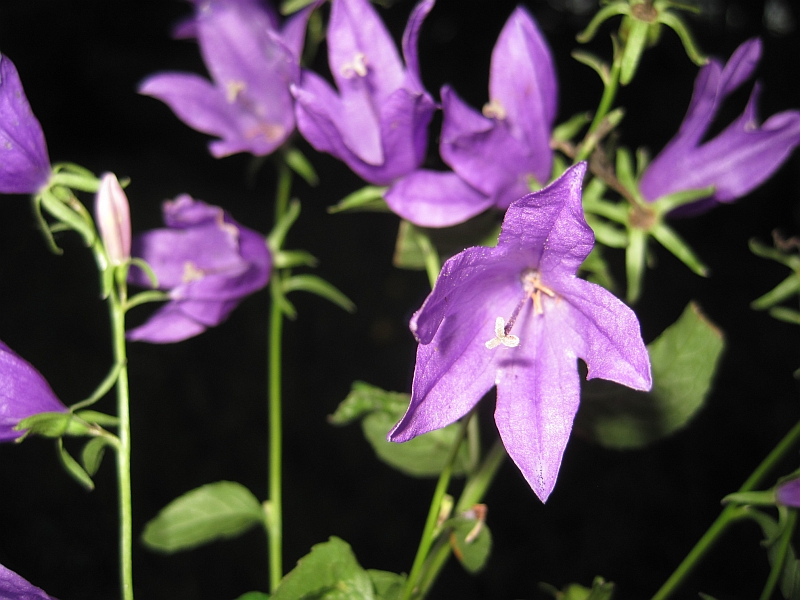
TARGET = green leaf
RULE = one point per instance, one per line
(387, 585)
(369, 198)
(300, 164)
(320, 287)
(92, 454)
(471, 542)
(220, 510)
(423, 456)
(683, 358)
(329, 572)
(409, 249)
(73, 468)
(254, 596)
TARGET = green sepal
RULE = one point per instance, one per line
(369, 198)
(634, 47)
(66, 215)
(98, 418)
(570, 128)
(619, 7)
(220, 510)
(683, 360)
(73, 468)
(146, 269)
(606, 233)
(53, 425)
(678, 26)
(783, 291)
(424, 456)
(635, 258)
(784, 314)
(277, 236)
(387, 585)
(329, 572)
(471, 542)
(409, 249)
(298, 162)
(288, 259)
(642, 160)
(280, 299)
(597, 64)
(670, 202)
(102, 389)
(600, 590)
(790, 260)
(773, 532)
(92, 454)
(292, 6)
(45, 228)
(254, 596)
(765, 498)
(144, 298)
(316, 285)
(626, 174)
(596, 268)
(75, 177)
(667, 237)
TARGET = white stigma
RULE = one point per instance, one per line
(356, 67)
(501, 337)
(494, 110)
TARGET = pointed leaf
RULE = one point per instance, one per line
(320, 287)
(92, 454)
(785, 314)
(298, 162)
(387, 585)
(683, 358)
(634, 47)
(220, 510)
(667, 237)
(369, 198)
(329, 572)
(73, 468)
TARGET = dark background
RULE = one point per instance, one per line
(198, 407)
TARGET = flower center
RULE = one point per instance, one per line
(355, 68)
(192, 272)
(533, 288)
(494, 110)
(232, 90)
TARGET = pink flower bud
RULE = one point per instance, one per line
(114, 219)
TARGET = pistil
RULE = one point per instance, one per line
(533, 288)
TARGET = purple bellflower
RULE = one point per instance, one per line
(527, 285)
(377, 123)
(206, 260)
(14, 587)
(736, 161)
(252, 63)
(23, 393)
(24, 164)
(496, 154)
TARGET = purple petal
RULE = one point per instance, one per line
(293, 31)
(168, 324)
(24, 165)
(410, 37)
(23, 392)
(434, 199)
(788, 493)
(14, 587)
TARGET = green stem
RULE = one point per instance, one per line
(780, 557)
(124, 449)
(606, 102)
(729, 514)
(426, 541)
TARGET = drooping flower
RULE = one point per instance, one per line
(113, 219)
(252, 63)
(377, 123)
(497, 153)
(206, 260)
(737, 160)
(527, 285)
(14, 587)
(23, 393)
(24, 164)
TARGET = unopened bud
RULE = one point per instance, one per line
(114, 219)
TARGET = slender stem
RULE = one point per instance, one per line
(274, 519)
(729, 514)
(124, 449)
(606, 102)
(426, 541)
(780, 557)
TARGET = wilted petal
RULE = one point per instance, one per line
(14, 587)
(114, 219)
(23, 393)
(434, 199)
(24, 165)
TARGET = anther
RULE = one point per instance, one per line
(532, 288)
(494, 110)
(233, 89)
(191, 272)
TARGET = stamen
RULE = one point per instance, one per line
(533, 288)
(501, 337)
(191, 272)
(494, 110)
(356, 67)
(233, 89)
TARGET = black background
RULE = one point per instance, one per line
(198, 407)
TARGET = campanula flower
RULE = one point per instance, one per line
(14, 587)
(788, 493)
(737, 160)
(500, 153)
(251, 62)
(24, 164)
(23, 393)
(114, 219)
(206, 260)
(517, 317)
(377, 122)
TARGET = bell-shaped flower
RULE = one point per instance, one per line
(23, 393)
(737, 160)
(377, 123)
(24, 164)
(207, 262)
(114, 219)
(252, 63)
(500, 153)
(526, 285)
(14, 587)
